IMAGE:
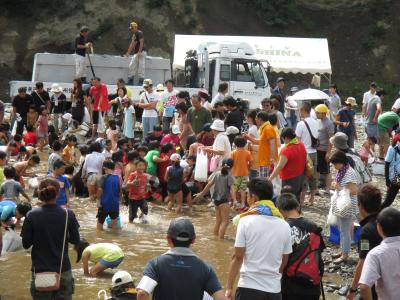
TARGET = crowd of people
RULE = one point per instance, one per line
(259, 165)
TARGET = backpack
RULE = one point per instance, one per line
(359, 166)
(304, 262)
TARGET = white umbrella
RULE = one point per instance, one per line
(309, 94)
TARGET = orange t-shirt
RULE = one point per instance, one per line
(68, 153)
(241, 161)
(267, 132)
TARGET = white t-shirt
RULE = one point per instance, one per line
(304, 135)
(168, 99)
(253, 131)
(396, 104)
(265, 239)
(221, 142)
(218, 98)
(152, 97)
(367, 96)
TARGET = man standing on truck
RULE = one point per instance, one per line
(137, 65)
(81, 45)
(278, 91)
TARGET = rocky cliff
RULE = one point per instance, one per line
(362, 33)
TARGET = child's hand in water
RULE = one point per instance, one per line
(197, 197)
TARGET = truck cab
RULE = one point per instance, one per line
(234, 63)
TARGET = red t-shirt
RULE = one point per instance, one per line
(172, 139)
(138, 190)
(95, 93)
(30, 138)
(162, 168)
(296, 155)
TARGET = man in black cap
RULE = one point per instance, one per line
(278, 91)
(179, 274)
(81, 45)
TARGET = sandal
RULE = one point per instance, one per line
(336, 255)
(340, 260)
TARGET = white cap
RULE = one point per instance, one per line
(176, 129)
(160, 87)
(56, 88)
(175, 157)
(232, 130)
(67, 117)
(121, 277)
(218, 125)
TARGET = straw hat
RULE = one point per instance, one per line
(352, 101)
(160, 87)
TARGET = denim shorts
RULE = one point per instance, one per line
(112, 264)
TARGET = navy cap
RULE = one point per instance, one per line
(181, 229)
(373, 84)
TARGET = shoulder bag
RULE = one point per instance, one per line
(50, 281)
(147, 99)
(314, 141)
(40, 97)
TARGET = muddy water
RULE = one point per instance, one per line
(139, 242)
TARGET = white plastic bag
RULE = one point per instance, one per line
(11, 241)
(101, 127)
(86, 117)
(277, 185)
(342, 207)
(33, 182)
(201, 169)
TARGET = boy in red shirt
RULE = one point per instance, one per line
(241, 166)
(140, 185)
(30, 137)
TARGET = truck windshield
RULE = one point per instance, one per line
(248, 71)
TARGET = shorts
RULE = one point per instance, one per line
(322, 164)
(93, 178)
(240, 184)
(112, 264)
(174, 190)
(246, 293)
(102, 215)
(95, 117)
(42, 135)
(372, 130)
(220, 202)
(67, 288)
(264, 172)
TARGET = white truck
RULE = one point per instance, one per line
(205, 68)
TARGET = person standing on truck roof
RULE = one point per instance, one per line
(20, 104)
(137, 65)
(40, 97)
(198, 115)
(81, 45)
(278, 91)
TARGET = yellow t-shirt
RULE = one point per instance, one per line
(106, 251)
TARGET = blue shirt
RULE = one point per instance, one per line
(64, 184)
(393, 157)
(110, 196)
(7, 210)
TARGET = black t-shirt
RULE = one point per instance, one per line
(80, 40)
(152, 138)
(39, 101)
(78, 110)
(22, 104)
(181, 277)
(369, 237)
(58, 104)
(137, 36)
(234, 118)
(300, 228)
(44, 230)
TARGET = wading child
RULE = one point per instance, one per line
(58, 173)
(173, 138)
(55, 155)
(174, 178)
(68, 153)
(138, 184)
(112, 133)
(42, 128)
(107, 152)
(153, 158)
(142, 151)
(52, 135)
(31, 116)
(10, 189)
(241, 165)
(109, 195)
(22, 168)
(367, 149)
(223, 190)
(117, 158)
(30, 137)
(103, 255)
(166, 151)
(129, 121)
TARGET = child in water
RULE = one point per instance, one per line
(223, 190)
(174, 178)
(367, 149)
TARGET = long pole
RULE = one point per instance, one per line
(91, 66)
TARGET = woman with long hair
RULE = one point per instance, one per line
(78, 101)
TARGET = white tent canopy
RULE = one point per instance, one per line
(296, 55)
